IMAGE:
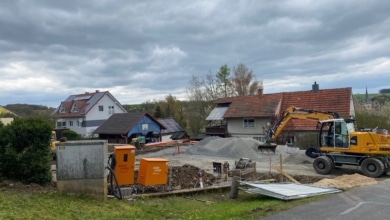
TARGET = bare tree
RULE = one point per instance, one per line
(199, 105)
(244, 81)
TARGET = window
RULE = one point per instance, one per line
(70, 123)
(249, 123)
(61, 124)
(74, 108)
(62, 109)
(111, 110)
(145, 127)
(101, 108)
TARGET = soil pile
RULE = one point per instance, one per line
(182, 177)
(346, 181)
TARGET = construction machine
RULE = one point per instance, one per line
(289, 114)
(339, 144)
(56, 136)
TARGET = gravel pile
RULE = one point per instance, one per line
(227, 147)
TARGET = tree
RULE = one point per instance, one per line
(157, 112)
(372, 120)
(199, 105)
(244, 81)
(381, 99)
(384, 91)
(170, 107)
(224, 82)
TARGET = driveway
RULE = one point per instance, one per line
(365, 202)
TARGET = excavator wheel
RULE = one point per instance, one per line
(323, 165)
(373, 167)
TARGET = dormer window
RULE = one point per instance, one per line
(62, 109)
(74, 108)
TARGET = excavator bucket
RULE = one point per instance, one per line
(266, 148)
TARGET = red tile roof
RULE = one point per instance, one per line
(334, 100)
(84, 103)
(251, 106)
(266, 105)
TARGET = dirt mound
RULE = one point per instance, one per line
(182, 177)
(188, 176)
(346, 181)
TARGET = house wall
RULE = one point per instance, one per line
(95, 117)
(77, 125)
(6, 121)
(236, 128)
(352, 107)
(144, 126)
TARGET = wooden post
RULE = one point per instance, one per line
(270, 164)
(234, 187)
(281, 167)
(170, 179)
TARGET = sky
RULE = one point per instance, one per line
(142, 51)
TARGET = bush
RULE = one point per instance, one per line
(70, 135)
(304, 141)
(25, 150)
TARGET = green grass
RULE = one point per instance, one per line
(216, 205)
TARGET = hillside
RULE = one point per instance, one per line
(25, 110)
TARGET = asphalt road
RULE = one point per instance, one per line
(365, 202)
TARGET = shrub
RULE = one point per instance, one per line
(304, 141)
(70, 135)
(25, 150)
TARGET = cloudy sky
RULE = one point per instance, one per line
(146, 50)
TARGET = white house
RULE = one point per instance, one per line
(83, 113)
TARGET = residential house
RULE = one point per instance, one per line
(122, 128)
(6, 116)
(251, 116)
(173, 130)
(83, 113)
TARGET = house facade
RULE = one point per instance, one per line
(251, 116)
(83, 113)
(122, 128)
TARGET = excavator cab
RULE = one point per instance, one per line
(335, 133)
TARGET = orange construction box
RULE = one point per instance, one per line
(124, 164)
(153, 171)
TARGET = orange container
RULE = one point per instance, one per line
(153, 171)
(124, 164)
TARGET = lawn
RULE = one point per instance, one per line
(215, 205)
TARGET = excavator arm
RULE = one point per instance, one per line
(296, 113)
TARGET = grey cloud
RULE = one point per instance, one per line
(147, 50)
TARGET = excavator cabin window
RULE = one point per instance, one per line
(335, 134)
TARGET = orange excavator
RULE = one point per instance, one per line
(339, 144)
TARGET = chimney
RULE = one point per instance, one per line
(260, 92)
(315, 87)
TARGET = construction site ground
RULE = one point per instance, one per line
(187, 160)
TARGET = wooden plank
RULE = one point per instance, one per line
(285, 174)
